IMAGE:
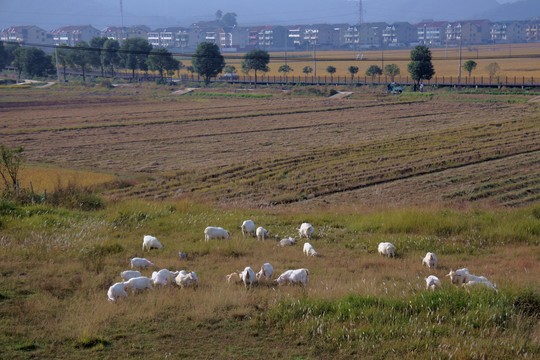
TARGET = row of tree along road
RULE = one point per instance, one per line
(107, 56)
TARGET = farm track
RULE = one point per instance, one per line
(287, 150)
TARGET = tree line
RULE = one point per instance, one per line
(106, 55)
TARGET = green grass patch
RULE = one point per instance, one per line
(232, 95)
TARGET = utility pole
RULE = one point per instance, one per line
(315, 59)
(56, 58)
(459, 73)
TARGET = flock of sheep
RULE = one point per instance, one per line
(132, 279)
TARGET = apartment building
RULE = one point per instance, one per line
(30, 34)
(71, 35)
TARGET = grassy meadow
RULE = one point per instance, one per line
(454, 172)
(57, 264)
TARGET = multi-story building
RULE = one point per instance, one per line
(399, 34)
(121, 33)
(468, 32)
(31, 35)
(365, 35)
(431, 33)
(532, 31)
(71, 35)
(508, 32)
(272, 37)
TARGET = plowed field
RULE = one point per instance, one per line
(286, 149)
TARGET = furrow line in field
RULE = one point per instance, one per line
(163, 122)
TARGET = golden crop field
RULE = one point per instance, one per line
(42, 178)
(519, 60)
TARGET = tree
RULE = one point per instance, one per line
(353, 70)
(229, 69)
(10, 162)
(256, 60)
(134, 53)
(32, 62)
(420, 66)
(285, 69)
(469, 66)
(191, 69)
(331, 70)
(110, 54)
(161, 59)
(3, 56)
(61, 56)
(96, 53)
(207, 61)
(492, 69)
(9, 48)
(219, 15)
(229, 20)
(80, 57)
(372, 71)
(391, 70)
(307, 70)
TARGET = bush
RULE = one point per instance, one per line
(106, 83)
(73, 197)
(93, 258)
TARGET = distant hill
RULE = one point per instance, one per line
(521, 10)
(52, 14)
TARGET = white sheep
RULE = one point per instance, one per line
(128, 274)
(430, 260)
(212, 232)
(164, 276)
(140, 263)
(473, 283)
(247, 276)
(248, 228)
(138, 283)
(432, 282)
(286, 242)
(262, 233)
(115, 291)
(458, 277)
(298, 276)
(309, 250)
(386, 248)
(185, 279)
(267, 270)
(306, 230)
(150, 242)
(233, 278)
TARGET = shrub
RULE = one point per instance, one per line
(74, 197)
(106, 83)
(93, 258)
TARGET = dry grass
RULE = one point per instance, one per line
(46, 178)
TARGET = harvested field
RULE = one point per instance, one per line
(285, 149)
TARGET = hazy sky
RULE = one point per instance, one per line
(50, 14)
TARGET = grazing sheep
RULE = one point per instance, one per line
(138, 283)
(212, 232)
(128, 274)
(163, 276)
(247, 276)
(473, 283)
(233, 278)
(115, 291)
(306, 230)
(267, 270)
(386, 248)
(309, 250)
(140, 263)
(185, 279)
(430, 260)
(150, 242)
(458, 277)
(432, 282)
(248, 228)
(298, 276)
(262, 233)
(286, 242)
